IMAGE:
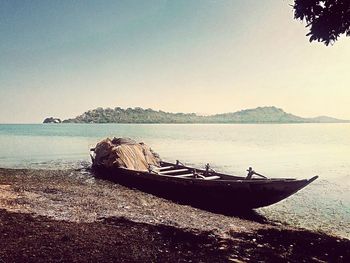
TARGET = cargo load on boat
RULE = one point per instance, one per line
(124, 153)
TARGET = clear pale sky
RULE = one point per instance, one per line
(61, 58)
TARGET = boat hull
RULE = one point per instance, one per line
(235, 194)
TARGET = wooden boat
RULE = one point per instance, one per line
(205, 187)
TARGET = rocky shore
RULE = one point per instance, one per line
(68, 215)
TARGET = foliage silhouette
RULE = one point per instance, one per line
(326, 19)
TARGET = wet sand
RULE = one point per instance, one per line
(68, 215)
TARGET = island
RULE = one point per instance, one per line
(268, 114)
(52, 120)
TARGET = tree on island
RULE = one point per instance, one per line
(326, 19)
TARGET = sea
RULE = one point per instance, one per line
(274, 150)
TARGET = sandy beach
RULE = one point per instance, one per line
(68, 215)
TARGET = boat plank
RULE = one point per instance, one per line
(183, 175)
(214, 177)
(174, 171)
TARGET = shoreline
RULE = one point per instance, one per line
(165, 123)
(73, 201)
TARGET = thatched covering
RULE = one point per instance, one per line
(126, 153)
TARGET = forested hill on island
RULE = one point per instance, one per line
(139, 115)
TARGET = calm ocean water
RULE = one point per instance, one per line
(275, 150)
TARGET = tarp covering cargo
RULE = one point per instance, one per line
(125, 153)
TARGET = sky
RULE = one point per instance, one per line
(62, 58)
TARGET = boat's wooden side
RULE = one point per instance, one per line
(203, 188)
